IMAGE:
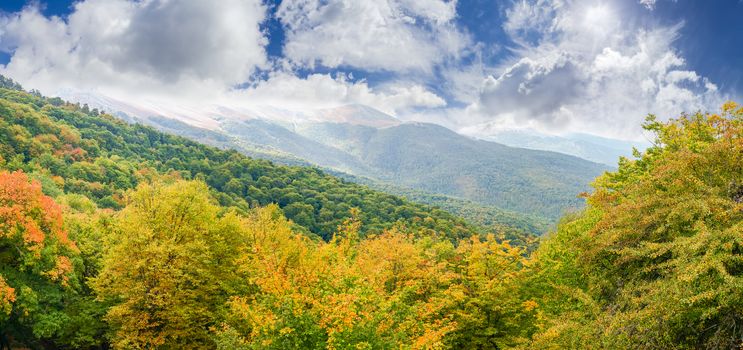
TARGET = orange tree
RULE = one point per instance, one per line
(37, 261)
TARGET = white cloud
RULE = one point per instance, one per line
(586, 69)
(526, 20)
(156, 46)
(576, 65)
(187, 53)
(392, 35)
(534, 87)
(323, 91)
(649, 4)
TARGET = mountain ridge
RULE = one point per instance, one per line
(362, 141)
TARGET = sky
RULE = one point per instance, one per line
(476, 66)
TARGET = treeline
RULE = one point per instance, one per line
(173, 269)
(655, 261)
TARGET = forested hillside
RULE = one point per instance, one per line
(522, 227)
(97, 155)
(421, 157)
(434, 159)
(118, 236)
(489, 218)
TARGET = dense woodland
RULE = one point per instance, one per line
(115, 235)
(517, 227)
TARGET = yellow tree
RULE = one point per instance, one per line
(168, 267)
(281, 269)
(489, 310)
(413, 288)
(383, 292)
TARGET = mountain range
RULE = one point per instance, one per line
(368, 144)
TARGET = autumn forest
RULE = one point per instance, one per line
(115, 235)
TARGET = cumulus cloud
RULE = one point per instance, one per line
(323, 90)
(392, 35)
(585, 69)
(148, 46)
(534, 87)
(192, 52)
(571, 65)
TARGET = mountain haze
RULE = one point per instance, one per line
(594, 148)
(362, 141)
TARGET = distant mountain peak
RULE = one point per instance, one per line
(356, 114)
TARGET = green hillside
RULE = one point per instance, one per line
(80, 151)
(434, 159)
(489, 218)
(417, 156)
(252, 141)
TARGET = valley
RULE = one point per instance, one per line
(366, 143)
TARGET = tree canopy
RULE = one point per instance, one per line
(655, 262)
(116, 236)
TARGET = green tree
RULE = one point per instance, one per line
(656, 261)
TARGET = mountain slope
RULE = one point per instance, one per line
(589, 147)
(78, 151)
(429, 158)
(365, 142)
(261, 135)
(432, 158)
(487, 217)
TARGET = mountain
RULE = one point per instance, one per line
(76, 150)
(435, 159)
(487, 217)
(362, 141)
(594, 148)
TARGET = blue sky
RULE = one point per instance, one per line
(476, 66)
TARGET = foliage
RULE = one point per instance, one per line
(37, 262)
(116, 236)
(167, 266)
(520, 229)
(387, 291)
(100, 157)
(656, 261)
